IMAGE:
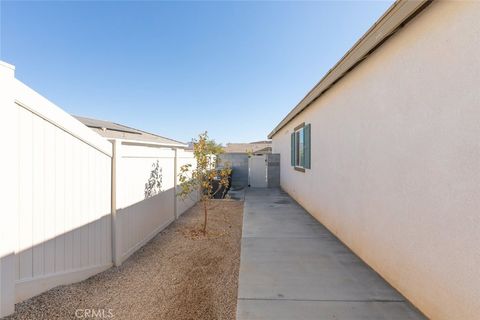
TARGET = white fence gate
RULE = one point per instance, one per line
(257, 171)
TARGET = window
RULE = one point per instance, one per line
(299, 152)
(300, 147)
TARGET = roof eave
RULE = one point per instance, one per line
(398, 14)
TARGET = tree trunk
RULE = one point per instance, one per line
(205, 221)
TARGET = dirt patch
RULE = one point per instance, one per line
(180, 274)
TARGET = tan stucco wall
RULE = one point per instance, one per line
(396, 160)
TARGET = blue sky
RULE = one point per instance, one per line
(179, 68)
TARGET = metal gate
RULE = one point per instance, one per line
(257, 171)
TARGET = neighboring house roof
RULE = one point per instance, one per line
(254, 147)
(391, 21)
(114, 130)
(264, 150)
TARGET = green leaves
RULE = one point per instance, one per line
(206, 152)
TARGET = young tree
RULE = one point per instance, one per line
(202, 177)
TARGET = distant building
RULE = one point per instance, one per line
(237, 154)
(258, 147)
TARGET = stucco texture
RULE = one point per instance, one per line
(396, 160)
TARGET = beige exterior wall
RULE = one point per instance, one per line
(396, 160)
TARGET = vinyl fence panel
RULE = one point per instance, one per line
(143, 211)
(64, 197)
(75, 202)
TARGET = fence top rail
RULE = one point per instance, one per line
(151, 144)
(29, 99)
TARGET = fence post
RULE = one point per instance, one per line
(9, 189)
(116, 223)
(175, 173)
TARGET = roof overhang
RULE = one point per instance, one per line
(394, 18)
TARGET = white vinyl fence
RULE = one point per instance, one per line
(143, 210)
(64, 197)
(73, 203)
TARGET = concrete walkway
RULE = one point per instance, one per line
(292, 267)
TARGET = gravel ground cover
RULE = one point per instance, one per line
(180, 274)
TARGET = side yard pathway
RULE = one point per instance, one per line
(292, 267)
